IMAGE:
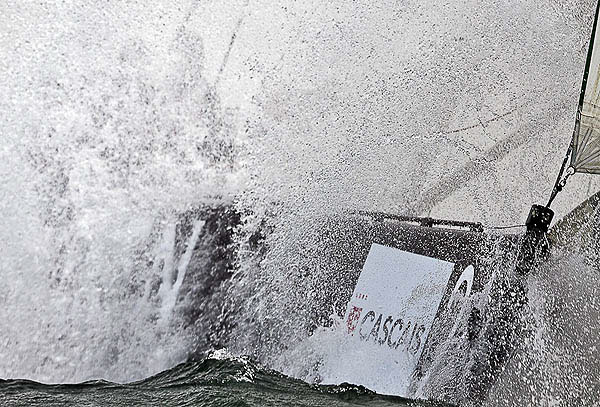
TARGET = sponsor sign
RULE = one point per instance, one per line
(394, 304)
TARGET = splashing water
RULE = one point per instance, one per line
(118, 119)
(107, 135)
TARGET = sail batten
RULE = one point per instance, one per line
(585, 145)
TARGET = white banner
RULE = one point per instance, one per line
(390, 314)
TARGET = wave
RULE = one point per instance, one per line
(218, 380)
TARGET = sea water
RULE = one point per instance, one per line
(117, 118)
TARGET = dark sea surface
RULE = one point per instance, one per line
(211, 382)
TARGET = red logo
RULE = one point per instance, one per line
(353, 318)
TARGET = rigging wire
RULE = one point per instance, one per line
(560, 182)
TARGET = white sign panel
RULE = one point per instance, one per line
(391, 312)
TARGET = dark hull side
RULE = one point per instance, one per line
(344, 242)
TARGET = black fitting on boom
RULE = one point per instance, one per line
(539, 219)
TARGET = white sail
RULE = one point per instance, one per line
(585, 146)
